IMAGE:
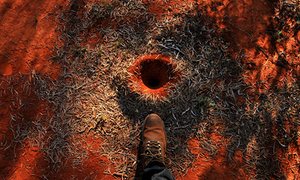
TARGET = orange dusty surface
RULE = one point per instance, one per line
(207, 167)
(28, 36)
(245, 24)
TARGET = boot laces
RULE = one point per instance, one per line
(153, 148)
(153, 151)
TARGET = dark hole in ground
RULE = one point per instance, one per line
(155, 73)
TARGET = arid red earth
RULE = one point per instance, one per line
(30, 34)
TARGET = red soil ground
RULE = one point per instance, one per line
(28, 36)
(216, 167)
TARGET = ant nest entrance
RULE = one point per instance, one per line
(153, 76)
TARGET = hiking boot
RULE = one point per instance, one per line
(153, 141)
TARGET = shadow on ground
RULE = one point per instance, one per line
(261, 125)
(223, 95)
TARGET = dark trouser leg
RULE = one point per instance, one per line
(157, 172)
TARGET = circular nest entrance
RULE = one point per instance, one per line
(152, 76)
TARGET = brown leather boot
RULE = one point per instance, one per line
(153, 141)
